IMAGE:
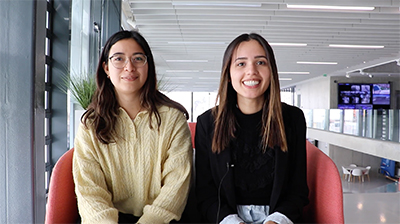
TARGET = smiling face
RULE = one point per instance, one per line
(129, 80)
(250, 73)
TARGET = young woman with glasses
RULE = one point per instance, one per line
(251, 148)
(133, 151)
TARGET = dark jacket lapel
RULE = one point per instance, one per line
(281, 160)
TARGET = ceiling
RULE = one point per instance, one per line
(188, 38)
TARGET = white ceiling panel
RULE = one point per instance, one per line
(201, 30)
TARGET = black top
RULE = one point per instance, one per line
(215, 179)
(254, 169)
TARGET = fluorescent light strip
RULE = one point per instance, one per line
(186, 61)
(288, 44)
(295, 73)
(285, 79)
(215, 4)
(187, 42)
(356, 46)
(180, 71)
(331, 7)
(316, 63)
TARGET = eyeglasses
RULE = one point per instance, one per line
(120, 60)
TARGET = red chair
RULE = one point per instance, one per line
(192, 127)
(326, 193)
(323, 179)
(61, 203)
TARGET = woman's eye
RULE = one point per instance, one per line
(118, 59)
(240, 64)
(138, 58)
(261, 63)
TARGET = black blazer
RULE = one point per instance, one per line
(290, 190)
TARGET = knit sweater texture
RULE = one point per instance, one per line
(146, 172)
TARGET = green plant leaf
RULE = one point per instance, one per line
(81, 87)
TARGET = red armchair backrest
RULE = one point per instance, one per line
(61, 202)
(326, 193)
(192, 127)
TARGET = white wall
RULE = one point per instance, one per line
(314, 94)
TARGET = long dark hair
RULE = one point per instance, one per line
(273, 129)
(104, 108)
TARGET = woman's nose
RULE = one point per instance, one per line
(129, 65)
(252, 69)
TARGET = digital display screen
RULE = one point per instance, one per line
(363, 95)
(381, 94)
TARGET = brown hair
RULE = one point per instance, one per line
(104, 108)
(273, 129)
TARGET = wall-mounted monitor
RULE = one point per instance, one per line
(381, 94)
(364, 96)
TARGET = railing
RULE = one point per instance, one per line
(376, 124)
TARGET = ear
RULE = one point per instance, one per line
(105, 67)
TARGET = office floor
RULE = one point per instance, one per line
(375, 201)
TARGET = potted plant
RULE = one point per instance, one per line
(81, 87)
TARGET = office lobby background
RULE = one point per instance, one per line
(40, 38)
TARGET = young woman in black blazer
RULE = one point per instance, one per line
(251, 148)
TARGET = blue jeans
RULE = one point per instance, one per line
(255, 214)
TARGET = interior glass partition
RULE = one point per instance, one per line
(376, 124)
(319, 118)
(335, 120)
(351, 122)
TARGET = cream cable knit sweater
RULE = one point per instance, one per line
(145, 173)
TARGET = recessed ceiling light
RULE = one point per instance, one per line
(356, 46)
(285, 79)
(288, 44)
(331, 7)
(295, 73)
(316, 63)
(216, 4)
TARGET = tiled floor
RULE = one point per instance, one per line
(375, 201)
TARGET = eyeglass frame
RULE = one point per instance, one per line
(128, 58)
